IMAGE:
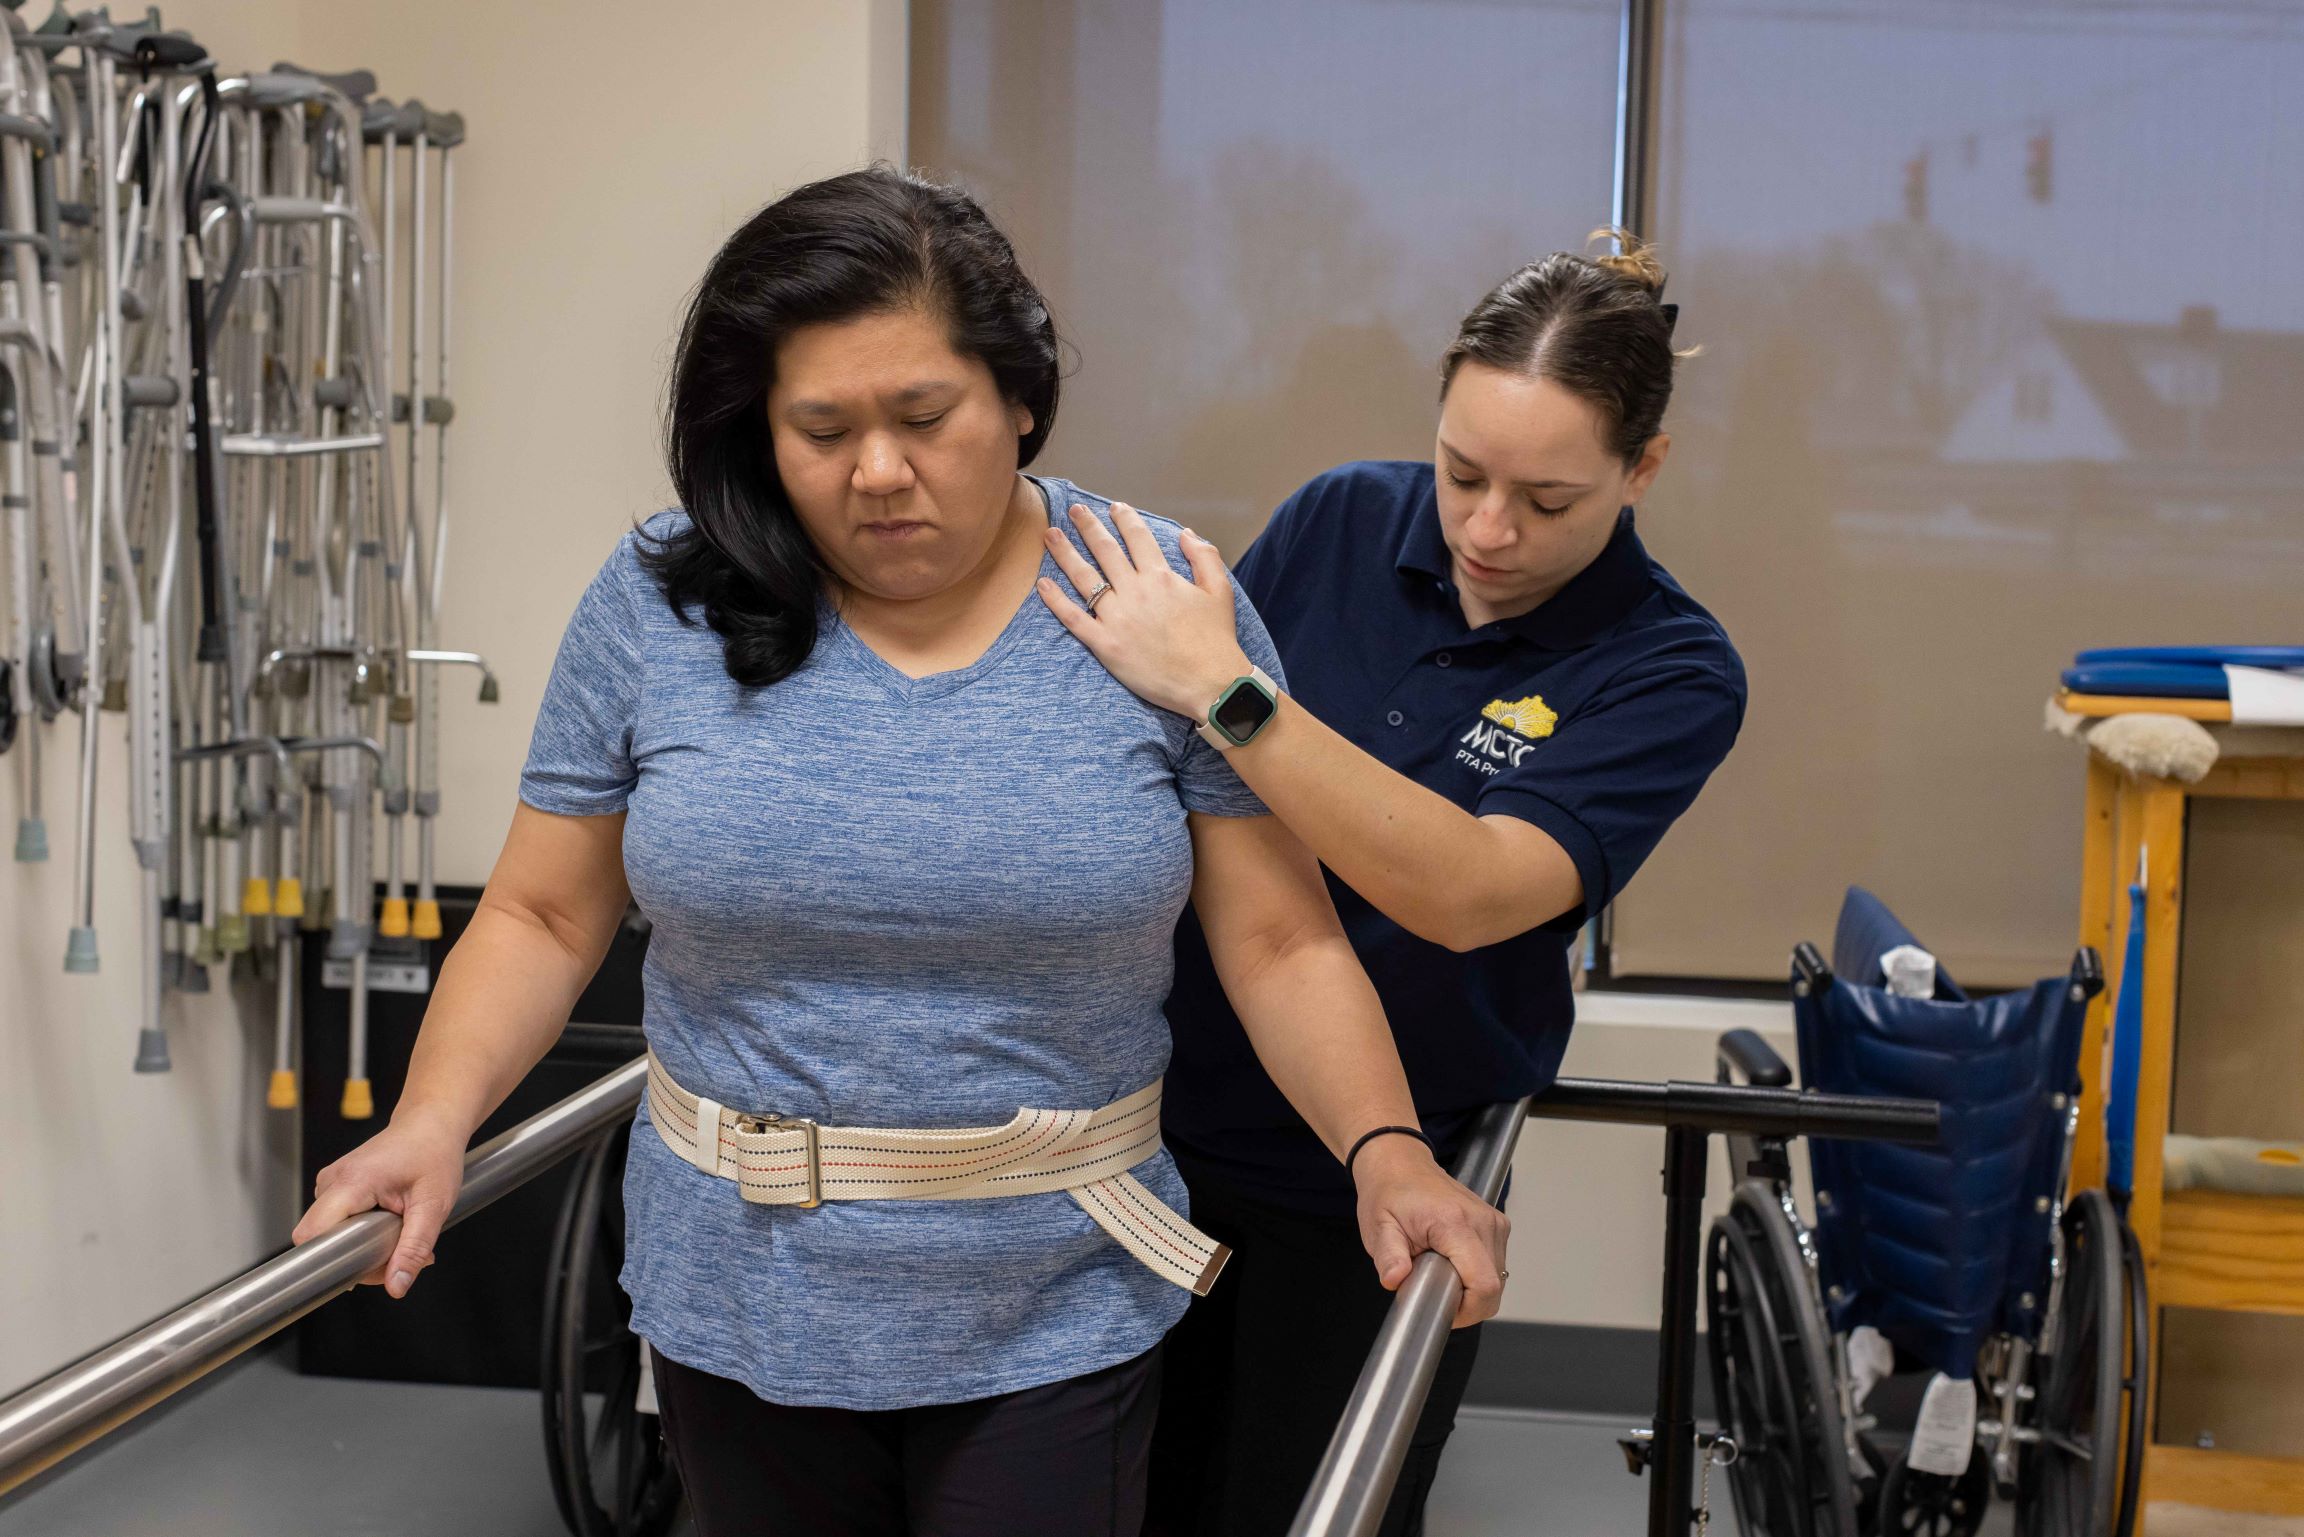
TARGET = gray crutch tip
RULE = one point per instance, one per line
(151, 1051)
(347, 939)
(31, 841)
(488, 690)
(80, 951)
(195, 978)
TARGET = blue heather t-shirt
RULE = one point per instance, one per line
(886, 901)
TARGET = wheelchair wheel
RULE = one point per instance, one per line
(1916, 1504)
(611, 1474)
(1773, 1380)
(2081, 1476)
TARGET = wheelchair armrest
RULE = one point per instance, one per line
(1745, 1057)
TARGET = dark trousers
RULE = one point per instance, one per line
(1258, 1372)
(1064, 1460)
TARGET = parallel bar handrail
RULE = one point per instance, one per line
(1356, 1476)
(1353, 1486)
(1718, 1107)
(52, 1419)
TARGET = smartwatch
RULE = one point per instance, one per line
(1243, 709)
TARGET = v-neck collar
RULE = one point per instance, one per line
(901, 685)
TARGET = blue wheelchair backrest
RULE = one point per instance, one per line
(1939, 1247)
(1867, 931)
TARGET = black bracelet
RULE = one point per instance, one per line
(1384, 1131)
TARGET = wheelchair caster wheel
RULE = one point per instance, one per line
(1916, 1504)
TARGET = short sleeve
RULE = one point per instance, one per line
(1612, 778)
(1204, 780)
(580, 755)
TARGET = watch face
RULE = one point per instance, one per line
(1241, 711)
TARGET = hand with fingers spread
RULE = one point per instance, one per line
(1174, 642)
(413, 1168)
(1409, 1204)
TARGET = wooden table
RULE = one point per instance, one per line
(2202, 1249)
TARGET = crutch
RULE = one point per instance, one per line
(444, 132)
(45, 677)
(147, 165)
(385, 126)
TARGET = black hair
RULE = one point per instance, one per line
(1597, 326)
(863, 243)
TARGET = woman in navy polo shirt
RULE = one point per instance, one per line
(1497, 704)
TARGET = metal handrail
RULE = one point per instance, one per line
(1353, 1486)
(1356, 1476)
(52, 1419)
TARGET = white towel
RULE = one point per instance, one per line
(2265, 696)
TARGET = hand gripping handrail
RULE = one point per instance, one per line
(54, 1418)
(1354, 1484)
(1355, 1480)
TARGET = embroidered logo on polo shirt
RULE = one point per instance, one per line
(1506, 732)
(1530, 717)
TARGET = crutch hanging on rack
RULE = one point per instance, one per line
(44, 665)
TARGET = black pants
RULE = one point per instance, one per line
(1258, 1371)
(1064, 1460)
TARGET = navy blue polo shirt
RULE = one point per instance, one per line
(1597, 716)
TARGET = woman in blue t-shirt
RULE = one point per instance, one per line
(1496, 704)
(901, 1234)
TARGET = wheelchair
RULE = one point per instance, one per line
(1970, 1259)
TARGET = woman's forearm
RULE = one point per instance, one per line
(550, 909)
(1299, 991)
(1319, 1030)
(502, 999)
(1430, 866)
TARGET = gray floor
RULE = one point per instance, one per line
(262, 1452)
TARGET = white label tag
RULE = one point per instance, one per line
(383, 976)
(1870, 1359)
(1945, 1436)
(645, 1402)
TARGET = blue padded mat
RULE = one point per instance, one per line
(1939, 1247)
(2156, 680)
(2196, 656)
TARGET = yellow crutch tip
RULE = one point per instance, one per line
(256, 897)
(359, 1101)
(426, 924)
(393, 924)
(282, 1094)
(289, 902)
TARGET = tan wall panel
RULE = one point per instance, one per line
(2240, 1013)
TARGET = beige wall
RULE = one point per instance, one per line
(608, 156)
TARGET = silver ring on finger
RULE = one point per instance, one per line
(1099, 595)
